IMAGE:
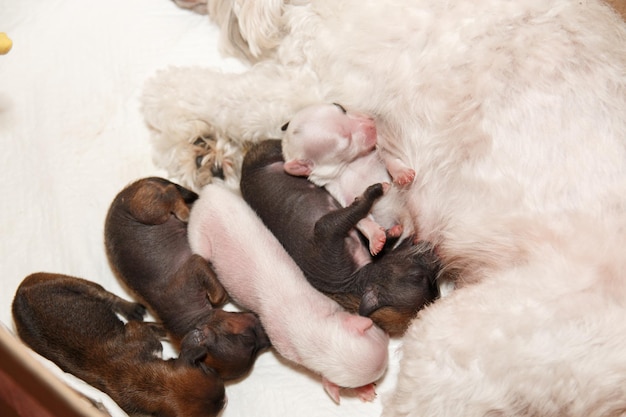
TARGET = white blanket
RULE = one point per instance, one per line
(73, 136)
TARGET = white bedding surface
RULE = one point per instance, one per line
(73, 136)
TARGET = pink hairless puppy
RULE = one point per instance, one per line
(336, 149)
(303, 325)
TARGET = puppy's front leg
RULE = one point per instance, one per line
(42, 280)
(199, 270)
(336, 224)
(400, 173)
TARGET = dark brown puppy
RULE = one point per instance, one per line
(73, 323)
(320, 235)
(146, 242)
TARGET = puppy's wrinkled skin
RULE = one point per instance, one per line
(146, 242)
(303, 324)
(319, 234)
(73, 323)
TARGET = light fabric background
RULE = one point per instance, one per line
(73, 136)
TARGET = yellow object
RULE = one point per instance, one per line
(5, 43)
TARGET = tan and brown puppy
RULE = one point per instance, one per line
(73, 322)
(146, 242)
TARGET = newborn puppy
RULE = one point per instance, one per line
(73, 323)
(319, 235)
(303, 324)
(336, 149)
(146, 242)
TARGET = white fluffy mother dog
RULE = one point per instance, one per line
(513, 115)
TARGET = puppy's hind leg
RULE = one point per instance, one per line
(398, 170)
(49, 282)
(197, 268)
(198, 292)
(375, 233)
(130, 310)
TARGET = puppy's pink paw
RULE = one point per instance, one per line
(404, 177)
(377, 241)
(331, 389)
(366, 393)
(395, 231)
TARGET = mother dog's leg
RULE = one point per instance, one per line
(183, 104)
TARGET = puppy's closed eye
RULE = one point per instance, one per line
(343, 109)
(284, 127)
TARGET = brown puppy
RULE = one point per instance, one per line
(146, 242)
(73, 323)
(321, 237)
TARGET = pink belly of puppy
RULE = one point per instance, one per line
(303, 325)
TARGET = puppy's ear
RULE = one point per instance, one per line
(193, 355)
(284, 127)
(357, 324)
(298, 167)
(369, 302)
(194, 346)
(207, 369)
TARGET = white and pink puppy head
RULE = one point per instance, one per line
(321, 139)
(349, 351)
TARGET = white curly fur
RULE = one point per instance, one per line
(513, 114)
